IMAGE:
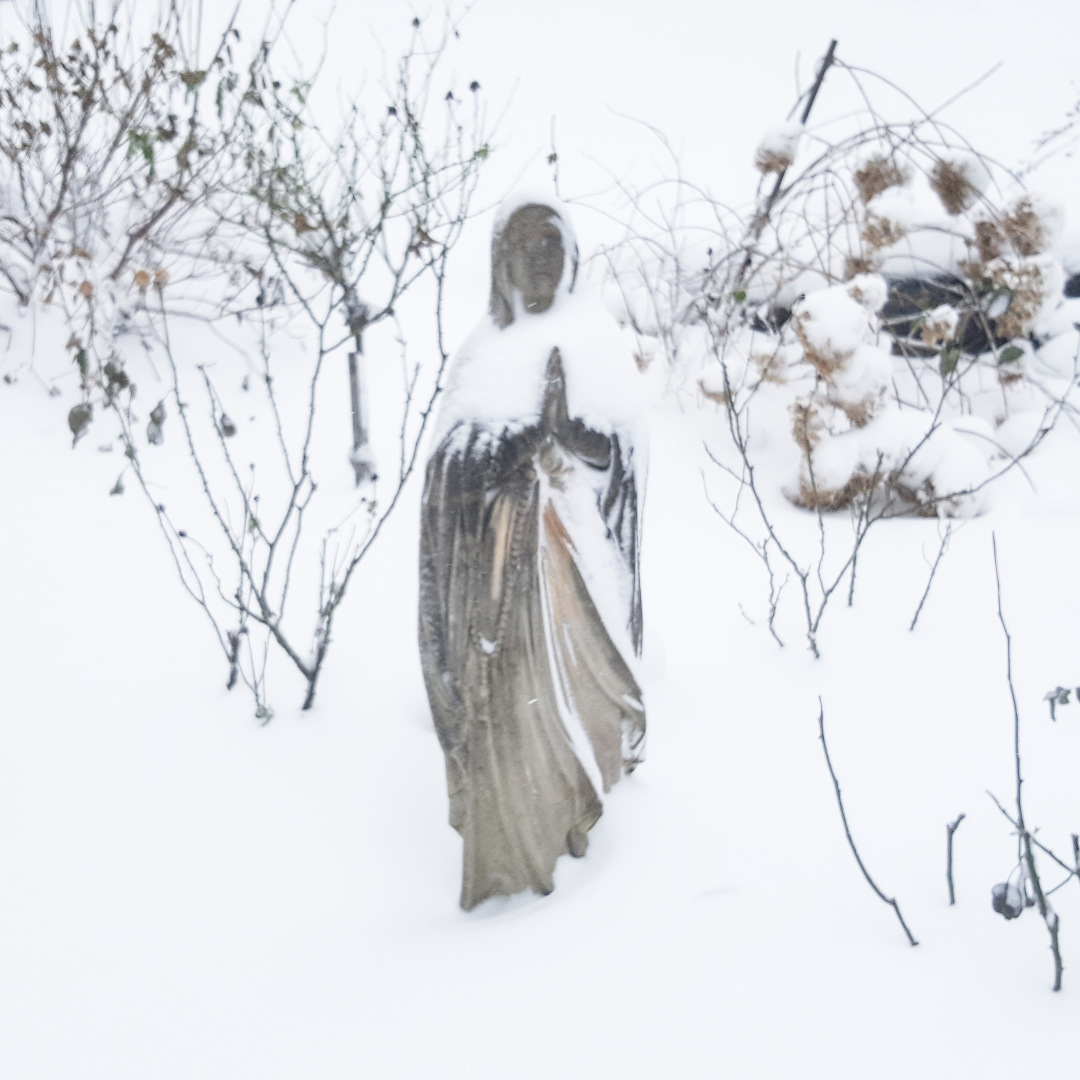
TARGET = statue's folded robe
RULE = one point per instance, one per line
(519, 666)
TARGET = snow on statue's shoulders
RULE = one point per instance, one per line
(496, 380)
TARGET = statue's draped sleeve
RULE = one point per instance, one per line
(534, 704)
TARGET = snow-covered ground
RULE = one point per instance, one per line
(185, 893)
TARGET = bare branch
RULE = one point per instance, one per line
(1028, 842)
(847, 831)
(930, 581)
(951, 828)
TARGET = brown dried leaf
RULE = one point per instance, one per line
(877, 175)
(951, 185)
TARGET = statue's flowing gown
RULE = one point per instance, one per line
(529, 541)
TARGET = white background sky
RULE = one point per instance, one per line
(713, 77)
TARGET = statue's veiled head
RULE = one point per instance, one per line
(529, 260)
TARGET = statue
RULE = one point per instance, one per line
(530, 605)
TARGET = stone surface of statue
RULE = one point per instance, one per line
(530, 609)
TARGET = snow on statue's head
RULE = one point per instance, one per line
(534, 259)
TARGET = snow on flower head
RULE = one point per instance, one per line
(958, 180)
(777, 148)
(869, 290)
(857, 387)
(940, 468)
(1029, 287)
(939, 326)
(1031, 225)
(830, 326)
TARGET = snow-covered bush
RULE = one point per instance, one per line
(888, 319)
(910, 311)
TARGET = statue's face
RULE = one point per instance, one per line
(534, 256)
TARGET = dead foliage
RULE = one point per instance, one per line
(950, 183)
(877, 175)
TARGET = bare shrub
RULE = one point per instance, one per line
(161, 195)
(904, 293)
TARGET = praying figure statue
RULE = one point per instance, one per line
(530, 602)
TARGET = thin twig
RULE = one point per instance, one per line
(1076, 855)
(762, 218)
(1048, 852)
(951, 828)
(1049, 916)
(847, 831)
(930, 580)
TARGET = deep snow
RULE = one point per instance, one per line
(185, 893)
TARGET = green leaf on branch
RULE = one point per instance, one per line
(1010, 354)
(482, 153)
(739, 296)
(949, 359)
(140, 142)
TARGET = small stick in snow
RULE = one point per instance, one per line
(358, 458)
(1027, 841)
(950, 828)
(847, 831)
(234, 658)
(930, 581)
